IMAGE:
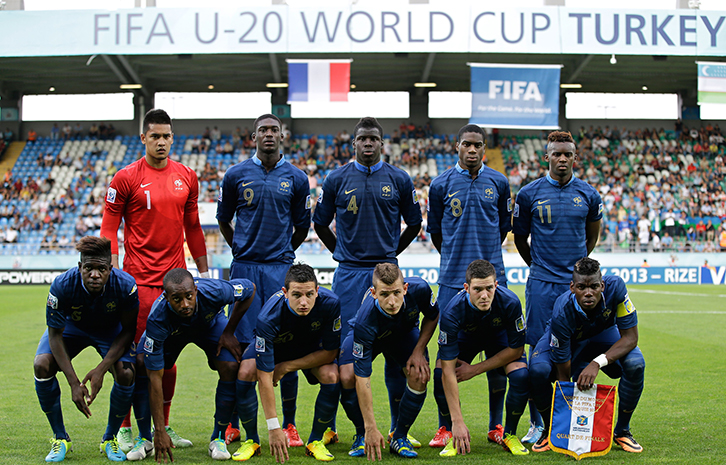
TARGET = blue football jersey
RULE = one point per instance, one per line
(368, 204)
(471, 215)
(68, 301)
(283, 335)
(556, 217)
(212, 296)
(267, 206)
(570, 324)
(373, 326)
(460, 318)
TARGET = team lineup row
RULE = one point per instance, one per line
(555, 221)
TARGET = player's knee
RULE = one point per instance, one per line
(539, 373)
(227, 370)
(247, 370)
(519, 377)
(44, 366)
(347, 376)
(634, 366)
(417, 384)
(328, 374)
(125, 373)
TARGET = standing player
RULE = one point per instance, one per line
(387, 322)
(469, 218)
(92, 305)
(297, 329)
(594, 326)
(562, 215)
(483, 317)
(271, 199)
(367, 198)
(189, 311)
(157, 199)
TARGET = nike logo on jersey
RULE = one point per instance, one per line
(348, 192)
(540, 202)
(247, 183)
(454, 193)
(144, 185)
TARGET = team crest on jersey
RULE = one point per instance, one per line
(111, 306)
(238, 290)
(149, 345)
(336, 324)
(320, 197)
(553, 341)
(488, 193)
(606, 313)
(577, 201)
(308, 203)
(497, 322)
(516, 210)
(178, 185)
(357, 350)
(259, 344)
(520, 324)
(314, 326)
(111, 195)
(52, 301)
(443, 338)
(285, 185)
(386, 190)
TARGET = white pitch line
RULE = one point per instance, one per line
(650, 291)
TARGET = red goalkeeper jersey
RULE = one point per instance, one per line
(158, 206)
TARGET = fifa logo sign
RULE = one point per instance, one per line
(515, 90)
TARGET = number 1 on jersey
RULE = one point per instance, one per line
(352, 205)
(148, 199)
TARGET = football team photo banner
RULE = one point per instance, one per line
(515, 96)
(582, 421)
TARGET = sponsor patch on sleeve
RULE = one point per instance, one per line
(357, 350)
(509, 205)
(625, 307)
(238, 289)
(443, 338)
(336, 324)
(415, 196)
(308, 203)
(320, 197)
(600, 209)
(133, 289)
(433, 299)
(553, 341)
(52, 301)
(521, 325)
(516, 210)
(149, 345)
(220, 194)
(111, 195)
(259, 344)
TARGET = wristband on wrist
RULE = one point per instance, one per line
(273, 423)
(204, 274)
(601, 360)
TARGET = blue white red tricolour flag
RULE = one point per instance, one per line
(318, 80)
(582, 421)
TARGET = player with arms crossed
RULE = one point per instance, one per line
(594, 326)
(297, 329)
(388, 323)
(562, 215)
(271, 200)
(469, 218)
(482, 317)
(367, 198)
(189, 311)
(93, 305)
(157, 199)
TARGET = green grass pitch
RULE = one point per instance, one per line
(680, 419)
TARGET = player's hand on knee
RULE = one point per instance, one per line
(278, 445)
(229, 342)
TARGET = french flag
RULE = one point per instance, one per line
(318, 80)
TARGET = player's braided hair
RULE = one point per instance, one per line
(387, 273)
(300, 273)
(479, 269)
(266, 116)
(92, 246)
(368, 122)
(586, 267)
(560, 136)
(472, 128)
(177, 276)
(156, 116)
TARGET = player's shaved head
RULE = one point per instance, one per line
(300, 273)
(560, 136)
(176, 276)
(368, 122)
(155, 116)
(256, 124)
(386, 273)
(95, 247)
(479, 269)
(472, 128)
(586, 266)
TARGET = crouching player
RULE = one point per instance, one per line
(298, 328)
(387, 322)
(92, 305)
(594, 326)
(188, 311)
(482, 317)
